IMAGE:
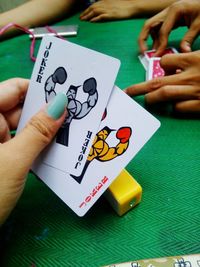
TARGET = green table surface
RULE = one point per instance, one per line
(43, 231)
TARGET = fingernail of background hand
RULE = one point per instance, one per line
(187, 47)
(56, 108)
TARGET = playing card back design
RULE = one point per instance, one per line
(169, 50)
(157, 70)
(101, 150)
(76, 109)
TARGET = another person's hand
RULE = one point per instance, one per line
(109, 10)
(181, 13)
(17, 154)
(181, 88)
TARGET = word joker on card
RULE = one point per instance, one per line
(92, 194)
(43, 63)
(83, 150)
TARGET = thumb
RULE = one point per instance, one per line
(39, 131)
(188, 39)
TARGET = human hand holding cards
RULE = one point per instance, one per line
(103, 131)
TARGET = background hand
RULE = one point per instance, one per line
(110, 10)
(180, 13)
(182, 89)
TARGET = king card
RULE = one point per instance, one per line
(87, 78)
(124, 129)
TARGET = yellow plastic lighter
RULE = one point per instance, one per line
(124, 193)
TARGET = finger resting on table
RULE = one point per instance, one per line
(154, 84)
(189, 106)
(171, 93)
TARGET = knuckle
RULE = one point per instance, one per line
(42, 129)
(195, 56)
(162, 34)
(147, 24)
(177, 7)
(94, 9)
(196, 93)
(155, 83)
(190, 77)
(189, 37)
(18, 83)
(130, 90)
(195, 24)
(104, 17)
(177, 107)
(3, 127)
(164, 59)
(164, 92)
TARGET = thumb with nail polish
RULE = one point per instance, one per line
(18, 154)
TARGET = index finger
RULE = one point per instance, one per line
(150, 24)
(143, 37)
(169, 23)
(152, 85)
(12, 92)
(85, 12)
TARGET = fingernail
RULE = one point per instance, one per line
(56, 108)
(188, 48)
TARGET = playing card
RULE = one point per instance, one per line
(144, 59)
(170, 50)
(154, 69)
(87, 78)
(124, 130)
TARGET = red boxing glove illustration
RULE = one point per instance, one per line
(123, 134)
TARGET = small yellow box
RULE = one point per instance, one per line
(124, 193)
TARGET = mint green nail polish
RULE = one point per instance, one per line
(57, 106)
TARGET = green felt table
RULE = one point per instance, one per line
(43, 231)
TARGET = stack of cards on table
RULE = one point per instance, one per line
(151, 64)
(104, 128)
